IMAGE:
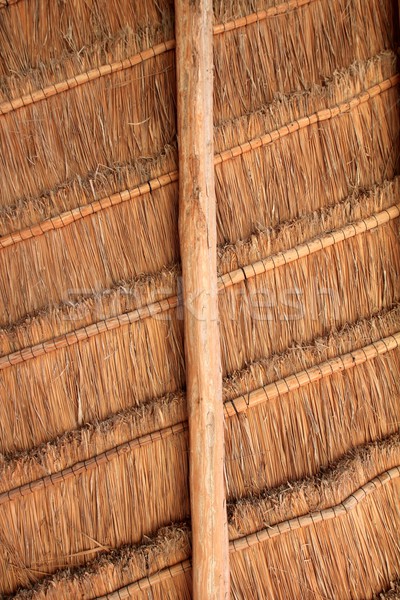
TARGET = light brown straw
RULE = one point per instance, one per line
(115, 67)
(66, 218)
(324, 369)
(258, 537)
(322, 115)
(225, 281)
(316, 517)
(232, 407)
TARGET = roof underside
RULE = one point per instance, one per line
(94, 466)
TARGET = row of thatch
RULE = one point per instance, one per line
(331, 416)
(94, 436)
(317, 508)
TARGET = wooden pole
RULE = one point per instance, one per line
(197, 231)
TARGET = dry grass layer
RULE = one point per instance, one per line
(74, 527)
(316, 166)
(81, 191)
(118, 247)
(114, 570)
(253, 325)
(328, 488)
(83, 383)
(83, 309)
(103, 182)
(138, 477)
(307, 298)
(270, 241)
(86, 36)
(80, 188)
(301, 431)
(334, 559)
(165, 557)
(69, 135)
(152, 217)
(45, 42)
(266, 58)
(93, 439)
(92, 401)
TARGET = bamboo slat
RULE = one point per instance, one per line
(324, 369)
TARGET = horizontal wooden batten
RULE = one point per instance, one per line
(71, 216)
(311, 247)
(327, 514)
(108, 69)
(233, 407)
(92, 463)
(318, 117)
(224, 282)
(258, 537)
(325, 369)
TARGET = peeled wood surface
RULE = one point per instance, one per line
(198, 248)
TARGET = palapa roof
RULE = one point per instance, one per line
(94, 498)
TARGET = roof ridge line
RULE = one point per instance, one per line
(121, 65)
(224, 281)
(232, 407)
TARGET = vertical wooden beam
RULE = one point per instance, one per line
(197, 231)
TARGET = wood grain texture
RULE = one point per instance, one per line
(198, 242)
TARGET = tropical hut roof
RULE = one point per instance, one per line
(94, 496)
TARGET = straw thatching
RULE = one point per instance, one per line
(94, 499)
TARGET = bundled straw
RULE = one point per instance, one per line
(94, 437)
(171, 551)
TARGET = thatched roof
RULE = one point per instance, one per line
(94, 498)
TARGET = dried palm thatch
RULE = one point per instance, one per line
(307, 506)
(394, 592)
(94, 498)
